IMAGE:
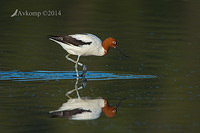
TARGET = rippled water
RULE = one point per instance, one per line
(161, 79)
(57, 75)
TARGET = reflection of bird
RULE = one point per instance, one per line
(84, 45)
(84, 109)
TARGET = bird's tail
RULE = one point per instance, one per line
(55, 114)
(57, 38)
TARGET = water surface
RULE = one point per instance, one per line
(57, 75)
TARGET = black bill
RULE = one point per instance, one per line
(122, 52)
(121, 102)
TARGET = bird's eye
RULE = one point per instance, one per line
(114, 42)
(114, 111)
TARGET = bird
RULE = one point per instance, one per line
(84, 44)
(84, 109)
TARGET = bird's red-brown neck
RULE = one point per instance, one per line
(105, 47)
(107, 43)
(109, 111)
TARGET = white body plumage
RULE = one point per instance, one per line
(94, 48)
(88, 109)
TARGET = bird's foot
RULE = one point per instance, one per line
(84, 84)
(84, 70)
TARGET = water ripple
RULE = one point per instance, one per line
(58, 75)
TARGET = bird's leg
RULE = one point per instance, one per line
(84, 84)
(68, 95)
(67, 57)
(80, 64)
(75, 89)
(84, 70)
(76, 66)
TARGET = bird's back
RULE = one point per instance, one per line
(80, 109)
(80, 44)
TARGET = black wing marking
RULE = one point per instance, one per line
(67, 113)
(69, 40)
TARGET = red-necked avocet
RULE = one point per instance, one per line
(84, 109)
(84, 45)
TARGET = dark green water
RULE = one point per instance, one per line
(161, 79)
